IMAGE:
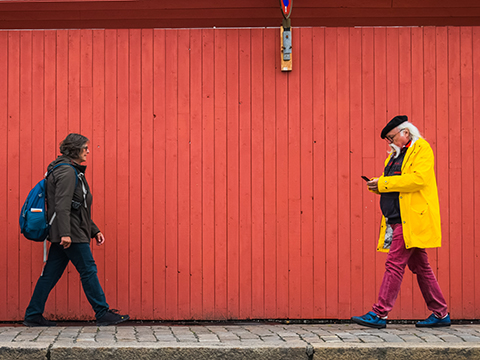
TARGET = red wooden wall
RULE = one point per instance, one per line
(227, 189)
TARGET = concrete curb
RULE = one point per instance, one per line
(159, 351)
(169, 352)
(397, 352)
(37, 351)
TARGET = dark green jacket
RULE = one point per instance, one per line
(61, 190)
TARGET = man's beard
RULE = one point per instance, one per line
(396, 149)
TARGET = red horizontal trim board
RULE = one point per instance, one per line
(41, 14)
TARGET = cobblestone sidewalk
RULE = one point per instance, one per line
(244, 341)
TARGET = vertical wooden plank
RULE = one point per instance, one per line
(331, 168)
(343, 173)
(404, 106)
(426, 38)
(282, 151)
(381, 117)
(269, 90)
(467, 172)
(393, 71)
(417, 105)
(455, 170)
(86, 123)
(147, 176)
(74, 56)
(61, 80)
(171, 187)
(51, 149)
(122, 175)
(160, 291)
(476, 154)
(418, 117)
(428, 70)
(319, 174)
(233, 176)
(357, 185)
(184, 174)
(395, 65)
(306, 174)
(64, 126)
(111, 235)
(257, 174)
(404, 54)
(4, 37)
(38, 114)
(97, 143)
(443, 153)
(220, 177)
(56, 107)
(208, 175)
(85, 88)
(196, 183)
(25, 160)
(294, 169)
(13, 171)
(370, 201)
(135, 170)
(245, 187)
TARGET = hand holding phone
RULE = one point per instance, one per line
(365, 178)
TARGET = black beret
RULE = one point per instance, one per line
(397, 120)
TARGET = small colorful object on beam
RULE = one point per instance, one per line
(286, 6)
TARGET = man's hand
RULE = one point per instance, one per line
(373, 185)
(66, 241)
(99, 238)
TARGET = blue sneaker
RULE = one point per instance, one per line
(433, 321)
(370, 319)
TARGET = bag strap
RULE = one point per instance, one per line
(73, 167)
(51, 171)
(55, 213)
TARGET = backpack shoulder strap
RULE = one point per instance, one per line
(73, 167)
(46, 176)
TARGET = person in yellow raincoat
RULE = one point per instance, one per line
(410, 223)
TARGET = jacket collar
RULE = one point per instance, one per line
(65, 159)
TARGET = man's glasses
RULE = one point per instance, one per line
(392, 137)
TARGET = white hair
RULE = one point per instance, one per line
(414, 136)
(414, 132)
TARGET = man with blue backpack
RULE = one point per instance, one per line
(71, 228)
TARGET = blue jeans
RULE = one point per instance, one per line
(81, 257)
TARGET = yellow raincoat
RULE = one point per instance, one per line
(418, 198)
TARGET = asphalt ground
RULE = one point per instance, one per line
(243, 340)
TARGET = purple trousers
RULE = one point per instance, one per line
(417, 260)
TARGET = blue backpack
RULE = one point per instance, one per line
(33, 218)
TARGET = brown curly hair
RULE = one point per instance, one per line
(72, 145)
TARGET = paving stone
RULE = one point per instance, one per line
(371, 339)
(411, 338)
(470, 338)
(315, 340)
(331, 338)
(391, 338)
(450, 338)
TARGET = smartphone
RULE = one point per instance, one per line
(365, 178)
